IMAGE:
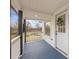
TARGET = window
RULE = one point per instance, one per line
(61, 23)
(14, 23)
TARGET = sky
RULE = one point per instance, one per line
(34, 23)
(14, 17)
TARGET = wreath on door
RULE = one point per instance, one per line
(60, 21)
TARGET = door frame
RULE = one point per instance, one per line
(56, 31)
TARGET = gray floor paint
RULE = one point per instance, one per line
(41, 50)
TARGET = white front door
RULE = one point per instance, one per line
(62, 32)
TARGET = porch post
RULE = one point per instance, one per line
(20, 13)
(24, 30)
(43, 29)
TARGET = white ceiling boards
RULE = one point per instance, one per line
(43, 6)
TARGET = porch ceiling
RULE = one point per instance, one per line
(42, 6)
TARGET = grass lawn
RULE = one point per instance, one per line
(33, 37)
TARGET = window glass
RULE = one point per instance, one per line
(14, 23)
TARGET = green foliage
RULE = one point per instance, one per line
(60, 21)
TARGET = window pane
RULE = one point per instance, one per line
(14, 23)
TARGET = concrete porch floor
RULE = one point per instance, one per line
(41, 50)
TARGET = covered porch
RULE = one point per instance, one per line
(52, 46)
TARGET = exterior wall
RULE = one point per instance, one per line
(51, 39)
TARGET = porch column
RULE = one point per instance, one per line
(20, 14)
(24, 29)
(43, 29)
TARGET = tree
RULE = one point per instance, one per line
(28, 26)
